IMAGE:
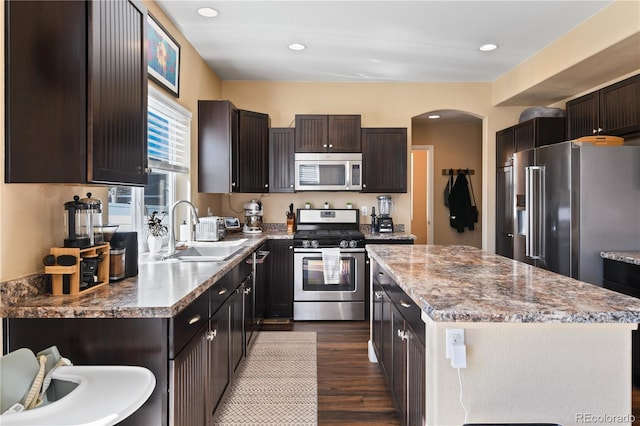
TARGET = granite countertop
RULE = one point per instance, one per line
(388, 236)
(162, 289)
(461, 283)
(632, 257)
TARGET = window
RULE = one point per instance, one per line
(168, 139)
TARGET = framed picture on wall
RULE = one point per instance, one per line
(163, 56)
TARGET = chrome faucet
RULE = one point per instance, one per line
(172, 229)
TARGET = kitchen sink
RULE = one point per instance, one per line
(208, 251)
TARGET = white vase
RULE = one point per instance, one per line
(155, 243)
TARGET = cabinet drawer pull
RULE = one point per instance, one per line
(405, 304)
(324, 146)
(330, 145)
(195, 319)
(222, 291)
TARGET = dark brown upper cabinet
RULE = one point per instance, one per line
(281, 159)
(613, 110)
(537, 132)
(384, 160)
(233, 149)
(505, 147)
(328, 133)
(76, 92)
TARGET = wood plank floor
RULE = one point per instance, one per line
(351, 390)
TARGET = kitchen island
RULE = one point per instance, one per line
(540, 347)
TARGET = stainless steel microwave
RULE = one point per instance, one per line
(328, 172)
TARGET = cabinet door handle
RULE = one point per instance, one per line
(147, 170)
(330, 145)
(247, 290)
(195, 319)
(266, 185)
(405, 304)
(211, 334)
(324, 146)
(290, 247)
(291, 186)
(222, 291)
(364, 185)
(403, 335)
(378, 294)
(233, 184)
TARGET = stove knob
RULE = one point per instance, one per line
(344, 244)
(306, 243)
(353, 243)
(314, 243)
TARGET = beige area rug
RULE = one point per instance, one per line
(276, 384)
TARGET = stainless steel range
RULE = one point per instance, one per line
(329, 265)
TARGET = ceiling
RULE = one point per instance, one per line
(374, 41)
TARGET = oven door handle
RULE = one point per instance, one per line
(319, 250)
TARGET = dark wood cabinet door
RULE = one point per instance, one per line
(384, 160)
(416, 380)
(582, 116)
(279, 291)
(187, 383)
(219, 372)
(505, 147)
(312, 133)
(76, 104)
(217, 121)
(620, 107)
(344, 133)
(236, 329)
(281, 159)
(524, 136)
(253, 152)
(328, 133)
(117, 146)
(399, 364)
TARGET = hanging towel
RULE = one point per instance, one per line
(331, 265)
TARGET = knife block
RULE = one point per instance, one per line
(74, 272)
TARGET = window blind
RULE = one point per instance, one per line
(168, 133)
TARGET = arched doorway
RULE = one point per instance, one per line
(451, 141)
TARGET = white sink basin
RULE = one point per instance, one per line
(208, 251)
(105, 395)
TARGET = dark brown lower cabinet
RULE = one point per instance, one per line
(624, 278)
(398, 341)
(219, 374)
(192, 355)
(187, 382)
(279, 291)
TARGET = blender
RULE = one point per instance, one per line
(385, 223)
(252, 217)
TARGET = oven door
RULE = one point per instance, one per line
(309, 280)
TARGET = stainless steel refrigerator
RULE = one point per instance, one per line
(572, 201)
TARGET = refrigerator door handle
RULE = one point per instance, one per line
(534, 200)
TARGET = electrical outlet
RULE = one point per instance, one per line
(363, 210)
(454, 336)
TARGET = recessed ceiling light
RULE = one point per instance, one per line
(207, 12)
(488, 47)
(297, 46)
(433, 116)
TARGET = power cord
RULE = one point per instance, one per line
(466, 413)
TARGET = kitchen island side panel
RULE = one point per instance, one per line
(551, 373)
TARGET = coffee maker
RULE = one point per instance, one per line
(385, 223)
(252, 217)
